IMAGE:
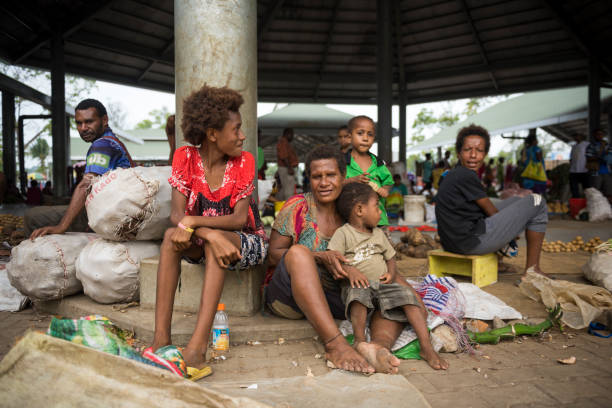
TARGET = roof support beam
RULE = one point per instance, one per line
(570, 27)
(43, 39)
(123, 47)
(161, 55)
(17, 88)
(384, 78)
(483, 54)
(267, 19)
(328, 41)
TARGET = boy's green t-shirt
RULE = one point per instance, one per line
(379, 173)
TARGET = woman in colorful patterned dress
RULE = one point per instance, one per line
(217, 221)
(305, 282)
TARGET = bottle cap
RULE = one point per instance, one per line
(221, 306)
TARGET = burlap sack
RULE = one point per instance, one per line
(43, 269)
(131, 204)
(109, 270)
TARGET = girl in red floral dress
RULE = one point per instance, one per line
(217, 221)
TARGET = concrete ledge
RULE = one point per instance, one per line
(141, 321)
(241, 291)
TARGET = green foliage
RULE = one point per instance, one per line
(157, 119)
(40, 150)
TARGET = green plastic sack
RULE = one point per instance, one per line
(410, 351)
(101, 334)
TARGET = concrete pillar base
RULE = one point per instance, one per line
(241, 291)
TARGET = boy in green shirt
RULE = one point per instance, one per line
(365, 167)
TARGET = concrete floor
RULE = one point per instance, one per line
(518, 373)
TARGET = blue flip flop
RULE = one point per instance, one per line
(598, 326)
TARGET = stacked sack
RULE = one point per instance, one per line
(44, 269)
(130, 210)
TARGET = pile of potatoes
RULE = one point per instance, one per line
(415, 244)
(11, 229)
(572, 246)
(557, 207)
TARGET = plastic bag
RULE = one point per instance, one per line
(599, 269)
(597, 205)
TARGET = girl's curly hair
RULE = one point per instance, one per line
(205, 108)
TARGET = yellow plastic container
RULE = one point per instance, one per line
(481, 268)
(278, 205)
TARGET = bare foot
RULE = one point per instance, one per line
(159, 343)
(433, 359)
(381, 358)
(342, 356)
(194, 358)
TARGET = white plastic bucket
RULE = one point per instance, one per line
(414, 209)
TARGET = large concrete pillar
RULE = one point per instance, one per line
(216, 43)
(384, 78)
(594, 96)
(59, 131)
(8, 136)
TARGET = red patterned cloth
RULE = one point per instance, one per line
(188, 178)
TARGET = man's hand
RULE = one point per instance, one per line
(357, 279)
(41, 232)
(332, 260)
(223, 249)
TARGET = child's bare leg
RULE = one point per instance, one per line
(214, 277)
(534, 248)
(359, 314)
(167, 279)
(378, 351)
(415, 318)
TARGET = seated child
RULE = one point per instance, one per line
(372, 281)
(215, 216)
(363, 166)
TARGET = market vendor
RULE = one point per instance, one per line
(305, 282)
(105, 153)
(469, 223)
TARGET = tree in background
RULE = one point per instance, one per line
(116, 115)
(40, 150)
(157, 119)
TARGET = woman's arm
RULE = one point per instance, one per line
(232, 222)
(279, 244)
(487, 206)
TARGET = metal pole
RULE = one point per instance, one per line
(384, 78)
(8, 136)
(594, 96)
(23, 181)
(61, 143)
(402, 83)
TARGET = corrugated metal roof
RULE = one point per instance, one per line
(325, 50)
(561, 112)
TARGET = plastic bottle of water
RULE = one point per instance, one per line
(220, 330)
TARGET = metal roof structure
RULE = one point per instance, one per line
(325, 50)
(312, 125)
(560, 112)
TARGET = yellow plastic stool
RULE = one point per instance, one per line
(482, 268)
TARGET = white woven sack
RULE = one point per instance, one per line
(43, 269)
(599, 269)
(109, 270)
(131, 204)
(597, 205)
